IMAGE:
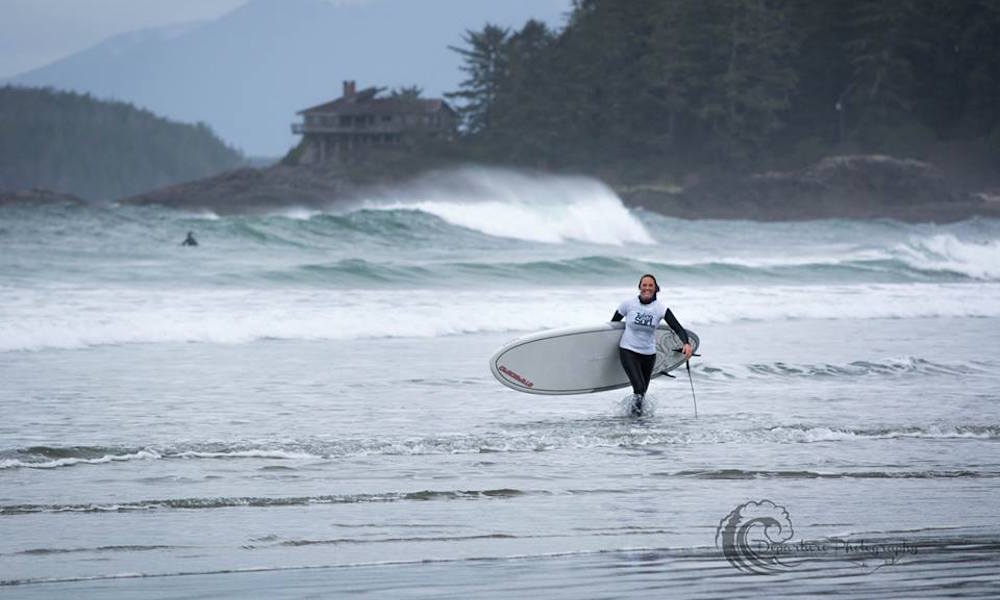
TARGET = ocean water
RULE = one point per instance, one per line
(301, 406)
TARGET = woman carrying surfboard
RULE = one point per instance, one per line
(637, 348)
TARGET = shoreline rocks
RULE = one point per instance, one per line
(38, 196)
(847, 187)
(250, 190)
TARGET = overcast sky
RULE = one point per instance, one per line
(34, 33)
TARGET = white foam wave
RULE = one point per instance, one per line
(298, 213)
(945, 252)
(827, 434)
(892, 367)
(13, 463)
(269, 454)
(784, 257)
(794, 260)
(33, 319)
(532, 207)
(205, 214)
(957, 250)
(149, 454)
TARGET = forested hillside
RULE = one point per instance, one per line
(99, 150)
(734, 83)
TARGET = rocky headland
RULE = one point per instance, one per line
(849, 187)
(255, 190)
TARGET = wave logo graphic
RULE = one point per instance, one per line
(752, 535)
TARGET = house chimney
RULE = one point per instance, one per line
(348, 88)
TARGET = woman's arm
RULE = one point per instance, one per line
(676, 326)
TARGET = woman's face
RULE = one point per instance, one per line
(647, 287)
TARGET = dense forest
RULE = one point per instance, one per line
(99, 150)
(648, 85)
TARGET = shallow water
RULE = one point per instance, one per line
(302, 406)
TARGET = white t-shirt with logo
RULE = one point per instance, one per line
(640, 324)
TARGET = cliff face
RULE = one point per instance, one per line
(854, 187)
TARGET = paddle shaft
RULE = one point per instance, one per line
(687, 363)
(690, 379)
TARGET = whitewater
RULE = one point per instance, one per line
(301, 405)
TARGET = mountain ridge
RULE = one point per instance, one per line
(248, 72)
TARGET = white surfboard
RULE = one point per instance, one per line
(578, 360)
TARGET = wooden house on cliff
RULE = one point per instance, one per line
(356, 121)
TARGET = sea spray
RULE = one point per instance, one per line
(524, 206)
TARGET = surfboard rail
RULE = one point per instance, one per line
(578, 360)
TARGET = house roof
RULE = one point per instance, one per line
(366, 102)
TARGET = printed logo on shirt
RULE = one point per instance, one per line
(643, 319)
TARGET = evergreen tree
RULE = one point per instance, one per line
(732, 81)
(486, 65)
(407, 92)
(977, 50)
(752, 78)
(525, 115)
(99, 150)
(819, 105)
(887, 37)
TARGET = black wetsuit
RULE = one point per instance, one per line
(639, 367)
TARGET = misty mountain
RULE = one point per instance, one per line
(248, 72)
(99, 150)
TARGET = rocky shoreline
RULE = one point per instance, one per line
(846, 187)
(838, 187)
(38, 196)
(251, 190)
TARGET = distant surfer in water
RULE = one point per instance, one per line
(637, 348)
(189, 240)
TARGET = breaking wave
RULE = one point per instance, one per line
(79, 318)
(523, 206)
(947, 253)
